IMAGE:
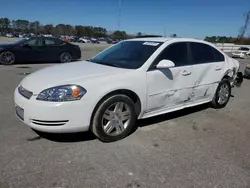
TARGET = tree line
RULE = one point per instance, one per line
(224, 39)
(25, 26)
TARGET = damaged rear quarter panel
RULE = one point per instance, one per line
(207, 76)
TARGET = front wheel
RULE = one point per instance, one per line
(7, 58)
(114, 118)
(222, 95)
(65, 57)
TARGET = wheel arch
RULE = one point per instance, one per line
(129, 93)
(229, 74)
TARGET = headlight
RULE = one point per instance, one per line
(62, 93)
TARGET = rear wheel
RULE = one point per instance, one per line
(7, 58)
(114, 118)
(65, 57)
(222, 95)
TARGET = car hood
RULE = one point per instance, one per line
(67, 73)
(6, 45)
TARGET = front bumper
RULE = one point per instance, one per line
(52, 117)
(238, 55)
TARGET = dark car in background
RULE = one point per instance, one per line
(247, 71)
(39, 49)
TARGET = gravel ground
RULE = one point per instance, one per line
(192, 148)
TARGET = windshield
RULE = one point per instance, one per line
(127, 54)
(243, 49)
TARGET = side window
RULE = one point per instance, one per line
(49, 42)
(203, 53)
(61, 42)
(176, 52)
(32, 42)
(218, 57)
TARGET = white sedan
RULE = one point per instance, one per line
(134, 79)
(242, 52)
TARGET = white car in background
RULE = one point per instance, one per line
(242, 52)
(9, 35)
(134, 79)
(83, 40)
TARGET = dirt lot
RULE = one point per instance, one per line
(195, 148)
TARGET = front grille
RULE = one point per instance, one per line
(49, 123)
(24, 92)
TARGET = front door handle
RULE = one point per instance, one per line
(218, 68)
(186, 72)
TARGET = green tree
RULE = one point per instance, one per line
(173, 35)
(4, 24)
(34, 27)
(119, 35)
(22, 25)
(139, 34)
(60, 29)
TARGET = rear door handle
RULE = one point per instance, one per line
(218, 68)
(186, 72)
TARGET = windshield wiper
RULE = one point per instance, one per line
(106, 63)
(111, 64)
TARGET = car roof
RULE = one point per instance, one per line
(151, 39)
(33, 37)
(165, 39)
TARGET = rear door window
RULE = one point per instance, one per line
(203, 53)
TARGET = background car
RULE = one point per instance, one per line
(94, 40)
(242, 52)
(103, 41)
(247, 71)
(83, 40)
(9, 35)
(37, 49)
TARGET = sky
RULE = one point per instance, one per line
(186, 18)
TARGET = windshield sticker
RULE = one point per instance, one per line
(151, 43)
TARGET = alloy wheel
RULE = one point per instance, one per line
(116, 119)
(223, 94)
(7, 58)
(66, 57)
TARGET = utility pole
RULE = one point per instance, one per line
(244, 28)
(119, 15)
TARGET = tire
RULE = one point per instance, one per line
(65, 57)
(7, 58)
(107, 119)
(220, 100)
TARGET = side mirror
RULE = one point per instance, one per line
(164, 64)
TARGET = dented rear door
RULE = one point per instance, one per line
(208, 65)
